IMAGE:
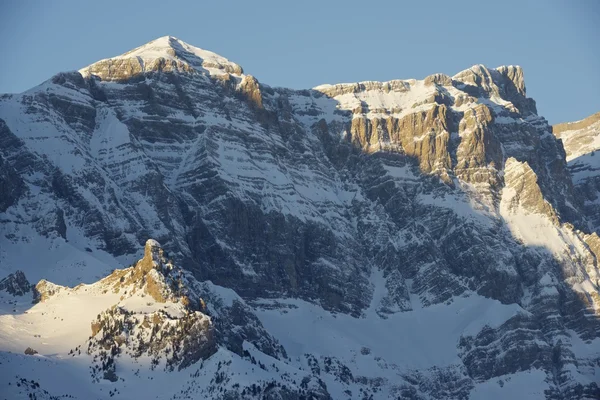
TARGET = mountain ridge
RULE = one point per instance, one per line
(168, 47)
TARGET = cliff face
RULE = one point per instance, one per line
(374, 200)
(581, 140)
(458, 127)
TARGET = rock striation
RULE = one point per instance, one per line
(16, 284)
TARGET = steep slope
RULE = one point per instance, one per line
(384, 204)
(581, 139)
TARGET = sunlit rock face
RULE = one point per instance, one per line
(368, 200)
(580, 140)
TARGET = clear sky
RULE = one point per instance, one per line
(305, 43)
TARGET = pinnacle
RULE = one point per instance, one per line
(153, 254)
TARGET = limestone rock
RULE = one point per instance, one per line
(43, 290)
(522, 180)
(438, 79)
(580, 141)
(250, 88)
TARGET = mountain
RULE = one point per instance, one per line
(405, 239)
(581, 139)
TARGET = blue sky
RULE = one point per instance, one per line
(306, 43)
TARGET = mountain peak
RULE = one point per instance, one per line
(153, 254)
(479, 74)
(165, 54)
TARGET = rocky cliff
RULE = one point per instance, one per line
(381, 204)
(581, 140)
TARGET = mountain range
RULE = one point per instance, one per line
(410, 239)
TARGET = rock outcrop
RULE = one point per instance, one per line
(16, 284)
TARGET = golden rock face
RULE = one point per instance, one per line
(558, 129)
(426, 136)
(121, 70)
(153, 256)
(453, 127)
(251, 89)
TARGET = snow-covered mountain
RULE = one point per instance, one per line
(419, 239)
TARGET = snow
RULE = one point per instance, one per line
(538, 230)
(110, 133)
(579, 142)
(584, 167)
(147, 305)
(166, 47)
(70, 376)
(47, 132)
(62, 322)
(379, 290)
(464, 206)
(404, 172)
(585, 349)
(403, 101)
(55, 325)
(152, 243)
(507, 120)
(522, 385)
(227, 296)
(54, 259)
(531, 228)
(57, 376)
(535, 229)
(422, 338)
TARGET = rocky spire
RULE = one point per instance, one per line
(514, 74)
(153, 256)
